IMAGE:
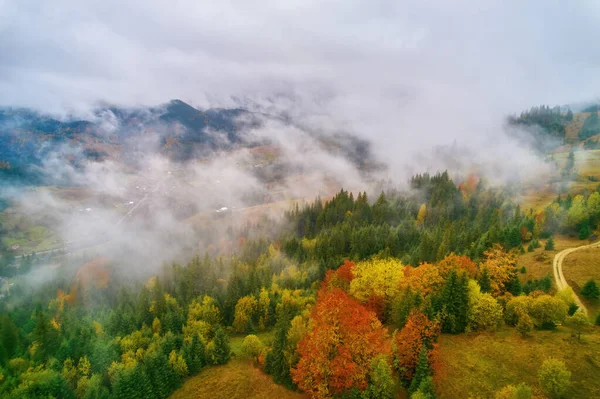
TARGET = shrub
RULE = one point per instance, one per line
(252, 346)
(554, 378)
(525, 325)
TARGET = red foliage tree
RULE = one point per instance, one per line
(418, 331)
(341, 277)
(336, 354)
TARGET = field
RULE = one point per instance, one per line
(476, 366)
(236, 379)
(538, 264)
(580, 267)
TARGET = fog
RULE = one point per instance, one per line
(427, 83)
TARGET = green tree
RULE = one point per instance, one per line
(549, 244)
(9, 338)
(382, 383)
(426, 390)
(276, 363)
(590, 290)
(454, 303)
(525, 325)
(422, 371)
(221, 351)
(484, 281)
(45, 336)
(579, 322)
(554, 378)
(486, 313)
(252, 346)
(195, 354)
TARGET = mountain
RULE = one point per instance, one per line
(176, 130)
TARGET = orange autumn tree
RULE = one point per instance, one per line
(418, 331)
(457, 262)
(425, 279)
(341, 277)
(336, 354)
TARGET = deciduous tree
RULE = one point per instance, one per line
(418, 332)
(336, 354)
(554, 378)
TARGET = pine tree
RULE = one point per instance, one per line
(590, 290)
(195, 354)
(222, 350)
(549, 244)
(276, 363)
(584, 230)
(422, 371)
(454, 302)
(484, 281)
(530, 247)
(514, 286)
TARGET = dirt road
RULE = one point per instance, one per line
(561, 282)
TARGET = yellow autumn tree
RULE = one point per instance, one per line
(421, 215)
(501, 266)
(378, 278)
(264, 303)
(245, 309)
(204, 309)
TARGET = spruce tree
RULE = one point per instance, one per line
(584, 230)
(276, 363)
(195, 354)
(422, 371)
(531, 247)
(484, 281)
(222, 350)
(454, 302)
(590, 290)
(549, 244)
(514, 286)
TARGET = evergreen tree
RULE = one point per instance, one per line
(45, 335)
(549, 244)
(584, 230)
(531, 247)
(422, 371)
(590, 290)
(195, 354)
(484, 281)
(454, 303)
(221, 350)
(9, 338)
(514, 286)
(276, 363)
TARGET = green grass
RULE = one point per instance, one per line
(479, 365)
(236, 379)
(31, 239)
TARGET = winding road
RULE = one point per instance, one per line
(561, 282)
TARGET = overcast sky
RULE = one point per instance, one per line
(390, 69)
